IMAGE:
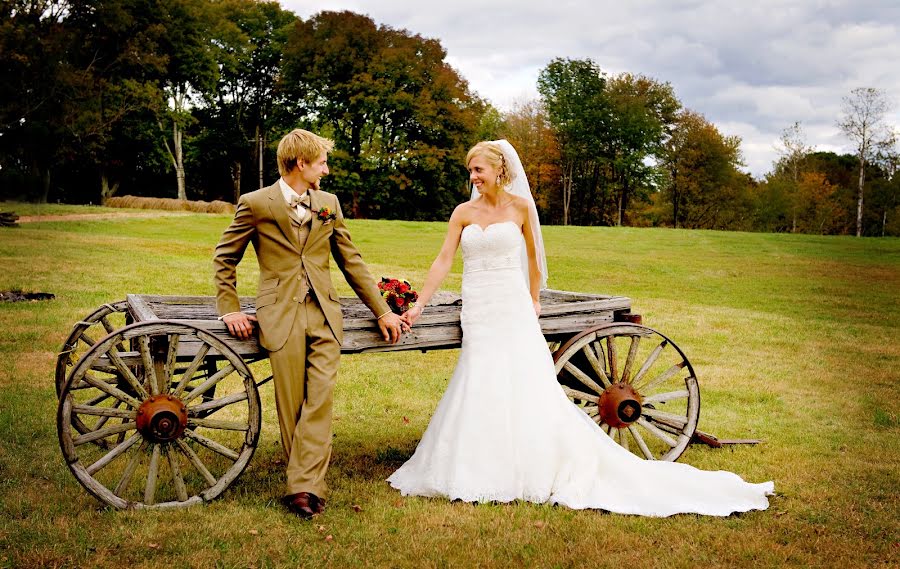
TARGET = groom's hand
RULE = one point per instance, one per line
(240, 325)
(391, 327)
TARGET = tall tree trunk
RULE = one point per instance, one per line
(883, 221)
(260, 144)
(45, 185)
(859, 203)
(177, 135)
(106, 190)
(236, 179)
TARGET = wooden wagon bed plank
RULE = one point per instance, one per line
(562, 313)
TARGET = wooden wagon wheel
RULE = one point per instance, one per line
(150, 408)
(636, 384)
(85, 334)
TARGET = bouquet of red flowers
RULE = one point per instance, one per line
(398, 294)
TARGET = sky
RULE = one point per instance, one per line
(751, 67)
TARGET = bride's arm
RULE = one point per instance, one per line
(440, 267)
(534, 271)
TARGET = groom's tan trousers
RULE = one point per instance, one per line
(305, 371)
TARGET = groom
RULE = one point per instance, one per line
(293, 227)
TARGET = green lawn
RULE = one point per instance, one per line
(794, 339)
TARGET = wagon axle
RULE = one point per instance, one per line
(162, 418)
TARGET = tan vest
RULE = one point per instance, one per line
(302, 228)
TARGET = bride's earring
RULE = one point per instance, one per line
(498, 181)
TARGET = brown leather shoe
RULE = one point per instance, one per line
(303, 504)
(320, 504)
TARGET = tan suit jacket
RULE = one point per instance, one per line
(262, 218)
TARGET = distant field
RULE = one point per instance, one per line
(794, 339)
(22, 208)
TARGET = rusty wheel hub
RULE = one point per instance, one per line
(620, 405)
(162, 418)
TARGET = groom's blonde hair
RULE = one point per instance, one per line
(300, 146)
(494, 156)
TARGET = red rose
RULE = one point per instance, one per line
(400, 301)
(403, 287)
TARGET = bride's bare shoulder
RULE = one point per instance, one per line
(521, 206)
(463, 211)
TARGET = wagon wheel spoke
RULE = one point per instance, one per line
(206, 385)
(656, 432)
(592, 359)
(128, 474)
(98, 399)
(613, 358)
(102, 433)
(195, 460)
(670, 419)
(632, 353)
(651, 359)
(152, 473)
(601, 357)
(105, 413)
(192, 368)
(661, 378)
(583, 377)
(126, 373)
(214, 405)
(149, 368)
(650, 402)
(645, 450)
(222, 425)
(576, 394)
(666, 397)
(114, 453)
(85, 333)
(171, 355)
(177, 479)
(211, 444)
(190, 457)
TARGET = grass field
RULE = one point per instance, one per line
(794, 339)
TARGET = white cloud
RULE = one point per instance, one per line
(752, 68)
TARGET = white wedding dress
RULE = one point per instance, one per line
(504, 430)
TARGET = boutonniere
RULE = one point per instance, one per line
(325, 215)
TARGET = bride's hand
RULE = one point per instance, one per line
(411, 315)
(537, 307)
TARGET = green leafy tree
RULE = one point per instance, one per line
(572, 92)
(863, 122)
(33, 79)
(238, 120)
(643, 115)
(528, 128)
(114, 70)
(193, 51)
(704, 184)
(401, 117)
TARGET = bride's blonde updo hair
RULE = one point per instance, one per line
(494, 156)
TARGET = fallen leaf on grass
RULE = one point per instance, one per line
(539, 525)
(153, 545)
(405, 421)
(329, 538)
(253, 532)
(320, 529)
(356, 508)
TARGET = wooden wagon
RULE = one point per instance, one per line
(158, 407)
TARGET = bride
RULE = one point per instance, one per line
(504, 429)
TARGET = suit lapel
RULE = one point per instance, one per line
(314, 223)
(279, 210)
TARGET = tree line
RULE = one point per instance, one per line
(188, 99)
